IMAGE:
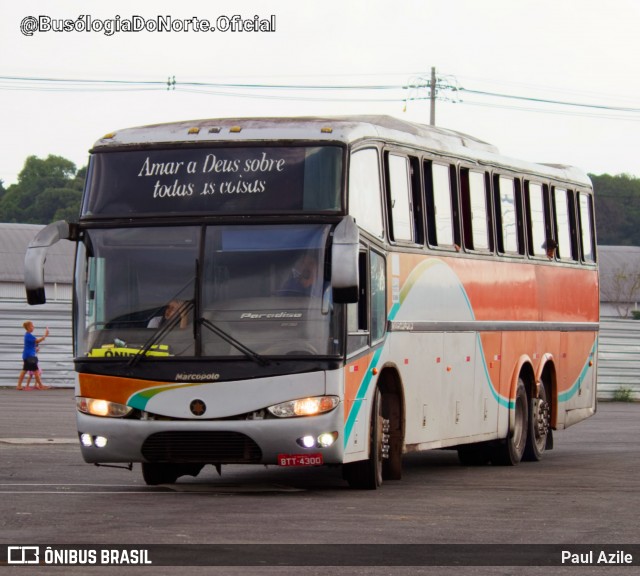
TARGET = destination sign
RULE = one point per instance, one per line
(221, 180)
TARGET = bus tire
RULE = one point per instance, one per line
(367, 474)
(154, 473)
(474, 454)
(539, 427)
(392, 428)
(509, 452)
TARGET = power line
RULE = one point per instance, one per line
(548, 101)
(416, 88)
(584, 114)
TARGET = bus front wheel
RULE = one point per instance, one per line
(155, 473)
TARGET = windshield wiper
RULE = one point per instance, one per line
(163, 330)
(235, 343)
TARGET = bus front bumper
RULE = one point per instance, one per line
(287, 441)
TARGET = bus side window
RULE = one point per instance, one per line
(400, 198)
(358, 312)
(365, 192)
(367, 318)
(561, 206)
(475, 214)
(536, 221)
(508, 215)
(438, 192)
(378, 296)
(586, 227)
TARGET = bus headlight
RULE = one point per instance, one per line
(304, 406)
(97, 407)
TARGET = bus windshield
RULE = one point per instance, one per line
(217, 291)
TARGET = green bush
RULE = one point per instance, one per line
(623, 394)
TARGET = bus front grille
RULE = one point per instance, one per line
(203, 447)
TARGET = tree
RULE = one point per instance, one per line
(617, 210)
(45, 190)
(622, 288)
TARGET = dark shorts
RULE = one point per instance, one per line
(30, 363)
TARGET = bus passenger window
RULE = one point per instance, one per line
(475, 221)
(365, 191)
(536, 219)
(586, 228)
(507, 213)
(563, 226)
(438, 200)
(400, 200)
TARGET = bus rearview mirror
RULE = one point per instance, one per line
(35, 257)
(344, 261)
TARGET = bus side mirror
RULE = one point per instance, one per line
(344, 261)
(35, 257)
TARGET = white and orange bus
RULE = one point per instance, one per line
(325, 291)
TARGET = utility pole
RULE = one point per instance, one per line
(432, 121)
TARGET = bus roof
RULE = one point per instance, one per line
(342, 129)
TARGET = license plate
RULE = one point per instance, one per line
(300, 459)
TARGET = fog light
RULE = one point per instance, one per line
(324, 440)
(327, 439)
(308, 441)
(100, 441)
(86, 440)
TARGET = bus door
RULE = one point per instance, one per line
(366, 328)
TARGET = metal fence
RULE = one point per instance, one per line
(619, 357)
(55, 355)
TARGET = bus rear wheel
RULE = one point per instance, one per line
(510, 451)
(539, 426)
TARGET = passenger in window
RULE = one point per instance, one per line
(551, 246)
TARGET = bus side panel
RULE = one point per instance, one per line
(495, 399)
(419, 359)
(576, 378)
(452, 384)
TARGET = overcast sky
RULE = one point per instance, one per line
(561, 50)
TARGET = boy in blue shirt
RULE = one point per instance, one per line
(29, 355)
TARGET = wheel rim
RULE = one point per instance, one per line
(541, 416)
